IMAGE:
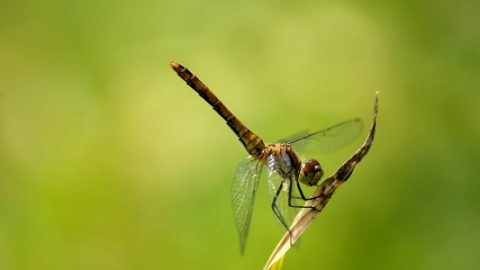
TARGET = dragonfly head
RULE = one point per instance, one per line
(310, 172)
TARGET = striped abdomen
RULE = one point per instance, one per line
(252, 143)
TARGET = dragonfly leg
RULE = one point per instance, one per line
(278, 213)
(275, 208)
(303, 197)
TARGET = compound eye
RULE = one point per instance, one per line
(311, 172)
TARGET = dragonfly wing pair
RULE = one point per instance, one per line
(326, 140)
(244, 189)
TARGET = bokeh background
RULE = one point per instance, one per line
(109, 161)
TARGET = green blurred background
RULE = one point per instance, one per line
(109, 161)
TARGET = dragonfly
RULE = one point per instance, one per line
(285, 169)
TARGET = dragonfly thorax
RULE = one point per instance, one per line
(281, 158)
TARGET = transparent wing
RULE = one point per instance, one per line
(243, 196)
(326, 140)
(287, 213)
